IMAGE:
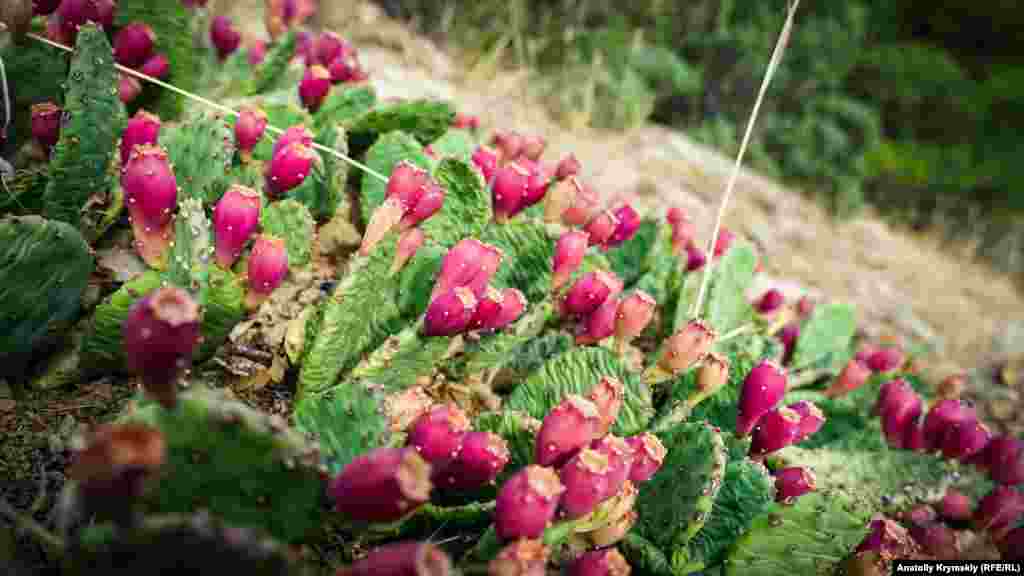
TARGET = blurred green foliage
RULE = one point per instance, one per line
(892, 104)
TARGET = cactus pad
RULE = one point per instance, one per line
(44, 267)
(329, 178)
(425, 120)
(526, 243)
(467, 207)
(456, 143)
(200, 150)
(402, 358)
(344, 104)
(634, 257)
(192, 251)
(386, 152)
(274, 66)
(725, 304)
(290, 220)
(828, 332)
(36, 73)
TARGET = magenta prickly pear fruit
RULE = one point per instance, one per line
(601, 227)
(401, 559)
(483, 456)
(966, 440)
(509, 146)
(585, 477)
(382, 485)
(520, 558)
(507, 191)
(46, 124)
(105, 10)
(437, 435)
(151, 194)
(675, 215)
(1011, 546)
(913, 437)
(571, 425)
(770, 301)
(567, 167)
(853, 376)
(599, 324)
(569, 252)
(788, 336)
(944, 419)
(405, 184)
(289, 167)
(634, 313)
(627, 224)
(998, 511)
(464, 121)
(886, 359)
(774, 431)
(648, 455)
(160, 333)
(328, 46)
(583, 205)
(588, 293)
(1004, 458)
(804, 306)
(293, 134)
(811, 419)
(936, 539)
(225, 36)
(533, 146)
(256, 53)
(44, 7)
(695, 258)
(793, 482)
(955, 506)
(249, 128)
(724, 241)
(450, 313)
(527, 502)
(620, 461)
(763, 388)
(315, 84)
(74, 13)
(281, 15)
(156, 66)
(133, 44)
(607, 396)
(346, 69)
(266, 269)
(487, 308)
(512, 306)
(536, 185)
(408, 243)
(902, 408)
(143, 128)
(128, 88)
(687, 346)
(429, 203)
(469, 263)
(605, 562)
(235, 218)
(486, 160)
(683, 234)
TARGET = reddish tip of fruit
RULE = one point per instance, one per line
(508, 190)
(648, 455)
(249, 128)
(853, 376)
(626, 226)
(143, 128)
(569, 252)
(775, 430)
(156, 66)
(886, 360)
(483, 456)
(604, 562)
(289, 168)
(695, 258)
(571, 425)
(998, 511)
(46, 124)
(296, 133)
(314, 86)
(128, 88)
(520, 558)
(568, 166)
(956, 506)
(770, 301)
(115, 464)
(450, 313)
(588, 293)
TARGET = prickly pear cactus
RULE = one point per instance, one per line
(826, 337)
(344, 104)
(725, 305)
(275, 64)
(23, 193)
(466, 209)
(330, 182)
(81, 170)
(283, 112)
(526, 243)
(290, 220)
(425, 120)
(44, 267)
(200, 149)
(192, 252)
(244, 466)
(390, 149)
(36, 72)
(454, 142)
(402, 358)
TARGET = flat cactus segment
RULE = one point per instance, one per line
(35, 73)
(747, 492)
(416, 280)
(386, 152)
(810, 537)
(44, 268)
(467, 207)
(527, 245)
(495, 350)
(456, 143)
(192, 251)
(80, 165)
(725, 304)
(632, 259)
(344, 104)
(24, 192)
(829, 331)
(346, 420)
(644, 557)
(200, 150)
(225, 307)
(274, 66)
(330, 178)
(676, 502)
(171, 544)
(575, 372)
(171, 22)
(425, 120)
(290, 220)
(397, 363)
(283, 111)
(244, 466)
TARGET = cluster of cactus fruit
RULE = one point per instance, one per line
(498, 352)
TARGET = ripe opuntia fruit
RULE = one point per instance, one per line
(46, 124)
(605, 562)
(470, 263)
(401, 559)
(1011, 546)
(583, 205)
(498, 309)
(853, 376)
(569, 252)
(151, 194)
(683, 234)
(998, 511)
(44, 7)
(483, 456)
(74, 13)
(508, 144)
(411, 197)
(533, 146)
(711, 376)
(789, 334)
(887, 538)
(620, 461)
(588, 293)
(133, 44)
(599, 324)
(486, 160)
(256, 52)
(297, 133)
(508, 189)
(527, 502)
(128, 88)
(687, 346)
(315, 84)
(966, 440)
(143, 128)
(235, 218)
(328, 46)
(774, 431)
(382, 485)
(487, 308)
(634, 313)
(571, 425)
(160, 333)
(937, 539)
(450, 313)
(1004, 459)
(408, 243)
(626, 226)
(886, 359)
(249, 130)
(811, 419)
(567, 167)
(695, 258)
(289, 167)
(902, 408)
(601, 227)
(607, 396)
(224, 36)
(438, 434)
(648, 455)
(520, 558)
(955, 506)
(945, 417)
(266, 269)
(585, 478)
(156, 66)
(793, 482)
(763, 388)
(724, 241)
(465, 121)
(770, 301)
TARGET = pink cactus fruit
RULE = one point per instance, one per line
(134, 44)
(44, 7)
(486, 161)
(607, 396)
(508, 190)
(687, 346)
(955, 506)
(407, 558)
(462, 121)
(966, 440)
(570, 425)
(289, 168)
(793, 482)
(160, 333)
(382, 485)
(944, 417)
(509, 146)
(536, 185)
(408, 244)
(587, 294)
(901, 409)
(695, 258)
(648, 456)
(225, 36)
(142, 128)
(634, 313)
(266, 269)
(520, 558)
(789, 334)
(450, 313)
(763, 388)
(55, 30)
(626, 227)
(128, 88)
(469, 263)
(585, 477)
(684, 232)
(1004, 459)
(804, 306)
(281, 15)
(620, 461)
(487, 308)
(770, 301)
(533, 146)
(157, 66)
(483, 456)
(151, 194)
(297, 133)
(513, 304)
(411, 197)
(811, 419)
(921, 514)
(328, 46)
(601, 227)
(603, 562)
(998, 512)
(937, 539)
(599, 324)
(527, 502)
(430, 202)
(46, 124)
(249, 128)
(315, 84)
(913, 436)
(256, 52)
(569, 252)
(774, 431)
(74, 13)
(723, 242)
(567, 167)
(235, 219)
(583, 205)
(886, 359)
(853, 376)
(437, 435)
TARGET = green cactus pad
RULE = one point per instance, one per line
(519, 431)
(80, 165)
(576, 372)
(632, 258)
(644, 557)
(467, 207)
(416, 280)
(397, 363)
(224, 308)
(497, 349)
(23, 193)
(455, 142)
(828, 332)
(528, 253)
(676, 502)
(200, 150)
(35, 72)
(809, 537)
(747, 492)
(344, 104)
(274, 67)
(173, 544)
(282, 112)
(329, 177)
(658, 267)
(290, 220)
(244, 466)
(386, 152)
(192, 250)
(44, 268)
(171, 23)
(725, 304)
(425, 120)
